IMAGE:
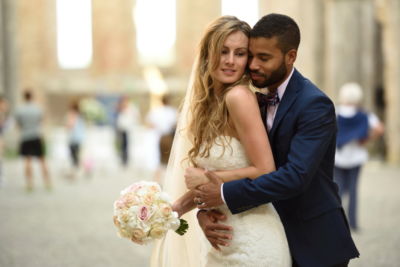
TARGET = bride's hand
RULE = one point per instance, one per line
(195, 177)
(177, 207)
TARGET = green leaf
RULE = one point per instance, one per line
(183, 227)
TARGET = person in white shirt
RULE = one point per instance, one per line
(163, 121)
(127, 117)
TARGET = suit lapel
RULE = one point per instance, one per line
(287, 100)
(263, 112)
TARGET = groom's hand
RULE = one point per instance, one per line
(209, 195)
(217, 234)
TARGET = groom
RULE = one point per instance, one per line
(301, 125)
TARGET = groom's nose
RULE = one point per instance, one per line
(253, 65)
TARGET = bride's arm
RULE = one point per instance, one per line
(184, 203)
(245, 115)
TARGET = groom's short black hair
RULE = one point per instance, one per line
(281, 26)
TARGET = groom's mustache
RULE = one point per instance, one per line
(257, 73)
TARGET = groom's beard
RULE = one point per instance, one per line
(275, 77)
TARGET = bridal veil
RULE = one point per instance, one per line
(175, 250)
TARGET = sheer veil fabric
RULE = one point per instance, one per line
(175, 250)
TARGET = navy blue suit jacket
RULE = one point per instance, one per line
(303, 141)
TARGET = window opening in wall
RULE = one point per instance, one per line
(244, 10)
(74, 33)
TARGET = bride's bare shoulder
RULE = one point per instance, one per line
(240, 93)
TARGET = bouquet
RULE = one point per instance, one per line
(143, 213)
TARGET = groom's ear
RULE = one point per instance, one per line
(291, 56)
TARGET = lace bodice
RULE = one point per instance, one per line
(258, 236)
(225, 156)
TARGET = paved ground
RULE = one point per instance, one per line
(379, 237)
(72, 225)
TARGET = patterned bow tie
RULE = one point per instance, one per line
(270, 99)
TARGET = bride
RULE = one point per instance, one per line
(220, 129)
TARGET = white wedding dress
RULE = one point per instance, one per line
(258, 235)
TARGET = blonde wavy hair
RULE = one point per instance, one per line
(210, 117)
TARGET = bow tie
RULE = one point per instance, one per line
(270, 99)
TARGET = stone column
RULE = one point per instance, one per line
(388, 12)
(309, 15)
(114, 48)
(344, 35)
(350, 46)
(8, 76)
(367, 56)
(2, 50)
(191, 21)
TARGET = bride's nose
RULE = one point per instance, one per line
(229, 59)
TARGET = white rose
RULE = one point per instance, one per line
(124, 233)
(165, 210)
(133, 210)
(137, 236)
(149, 198)
(174, 224)
(157, 231)
(165, 197)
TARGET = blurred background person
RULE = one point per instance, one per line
(163, 120)
(127, 118)
(355, 128)
(75, 124)
(29, 118)
(4, 108)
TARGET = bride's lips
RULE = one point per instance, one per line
(228, 72)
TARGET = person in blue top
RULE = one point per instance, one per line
(355, 128)
(76, 132)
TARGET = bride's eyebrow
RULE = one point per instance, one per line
(238, 48)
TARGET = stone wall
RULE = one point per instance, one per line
(340, 43)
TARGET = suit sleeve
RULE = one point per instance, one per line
(315, 131)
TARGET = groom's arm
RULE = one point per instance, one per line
(316, 130)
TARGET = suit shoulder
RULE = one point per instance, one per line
(310, 91)
(309, 94)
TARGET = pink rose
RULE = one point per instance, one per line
(119, 204)
(144, 213)
(132, 188)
